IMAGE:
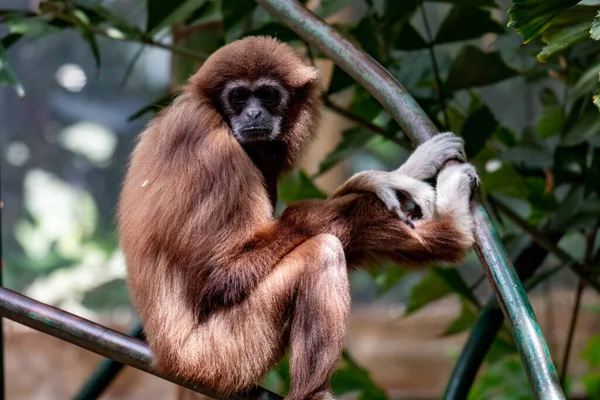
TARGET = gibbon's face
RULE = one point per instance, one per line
(255, 110)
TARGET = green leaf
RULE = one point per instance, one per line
(162, 13)
(327, 8)
(592, 352)
(532, 17)
(479, 126)
(387, 276)
(351, 377)
(409, 39)
(587, 83)
(596, 100)
(298, 186)
(466, 319)
(585, 127)
(236, 15)
(552, 116)
(364, 104)
(28, 26)
(275, 30)
(455, 281)
(7, 75)
(352, 140)
(563, 39)
(155, 106)
(472, 68)
(431, 288)
(595, 30)
(464, 23)
(83, 25)
(9, 40)
(479, 3)
(591, 382)
(340, 80)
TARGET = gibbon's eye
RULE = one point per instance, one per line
(239, 96)
(268, 95)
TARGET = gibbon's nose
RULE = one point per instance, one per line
(253, 112)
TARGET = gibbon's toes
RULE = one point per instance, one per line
(444, 147)
(471, 172)
(457, 181)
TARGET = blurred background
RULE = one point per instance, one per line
(82, 78)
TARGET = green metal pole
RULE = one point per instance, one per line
(413, 120)
(99, 339)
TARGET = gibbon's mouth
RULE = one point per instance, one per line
(256, 132)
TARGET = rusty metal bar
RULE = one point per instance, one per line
(418, 127)
(98, 339)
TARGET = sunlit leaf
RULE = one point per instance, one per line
(352, 140)
(531, 17)
(595, 30)
(472, 68)
(236, 15)
(298, 186)
(592, 351)
(464, 23)
(567, 29)
(28, 26)
(7, 75)
(597, 100)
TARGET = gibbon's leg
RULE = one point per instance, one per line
(321, 304)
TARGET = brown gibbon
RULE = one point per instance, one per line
(222, 287)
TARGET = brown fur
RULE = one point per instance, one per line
(221, 286)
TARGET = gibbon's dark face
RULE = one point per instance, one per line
(255, 110)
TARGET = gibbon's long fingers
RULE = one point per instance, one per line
(321, 308)
(427, 160)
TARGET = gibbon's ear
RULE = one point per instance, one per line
(304, 75)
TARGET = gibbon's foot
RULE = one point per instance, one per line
(456, 185)
(429, 158)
